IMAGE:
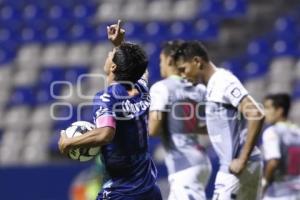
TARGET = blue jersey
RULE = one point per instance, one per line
(128, 164)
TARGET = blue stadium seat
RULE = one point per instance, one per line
(28, 35)
(156, 31)
(32, 12)
(83, 12)
(180, 30)
(10, 12)
(99, 34)
(15, 4)
(210, 8)
(72, 75)
(22, 96)
(154, 69)
(53, 143)
(65, 117)
(6, 55)
(296, 90)
(134, 30)
(50, 74)
(286, 27)
(80, 32)
(205, 29)
(58, 12)
(86, 113)
(55, 33)
(42, 95)
(259, 47)
(235, 65)
(284, 47)
(8, 39)
(234, 8)
(256, 68)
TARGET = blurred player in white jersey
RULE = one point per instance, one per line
(174, 116)
(281, 147)
(234, 122)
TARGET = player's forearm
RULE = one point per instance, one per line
(154, 130)
(155, 123)
(254, 129)
(268, 176)
(255, 119)
(92, 138)
(270, 169)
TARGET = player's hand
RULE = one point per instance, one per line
(237, 166)
(115, 33)
(264, 186)
(62, 143)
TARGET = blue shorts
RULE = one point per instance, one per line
(153, 194)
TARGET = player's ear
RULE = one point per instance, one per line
(280, 111)
(113, 68)
(199, 62)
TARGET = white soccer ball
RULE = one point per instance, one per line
(82, 154)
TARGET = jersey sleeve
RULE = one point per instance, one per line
(271, 145)
(159, 97)
(103, 111)
(142, 84)
(234, 92)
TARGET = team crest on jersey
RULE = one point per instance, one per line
(236, 92)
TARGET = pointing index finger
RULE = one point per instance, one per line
(119, 25)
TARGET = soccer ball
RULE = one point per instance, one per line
(82, 154)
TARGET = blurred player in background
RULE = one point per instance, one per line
(229, 111)
(88, 183)
(173, 116)
(120, 114)
(281, 147)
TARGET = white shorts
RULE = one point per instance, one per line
(243, 187)
(189, 183)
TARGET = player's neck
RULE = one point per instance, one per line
(110, 79)
(211, 69)
(172, 72)
(282, 119)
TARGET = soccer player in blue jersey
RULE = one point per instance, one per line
(233, 120)
(120, 115)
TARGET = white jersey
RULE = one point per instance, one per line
(179, 100)
(226, 126)
(282, 141)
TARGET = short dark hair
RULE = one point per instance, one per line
(171, 47)
(280, 100)
(190, 49)
(131, 61)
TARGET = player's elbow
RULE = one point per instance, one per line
(257, 115)
(273, 163)
(253, 113)
(153, 133)
(105, 136)
(152, 130)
